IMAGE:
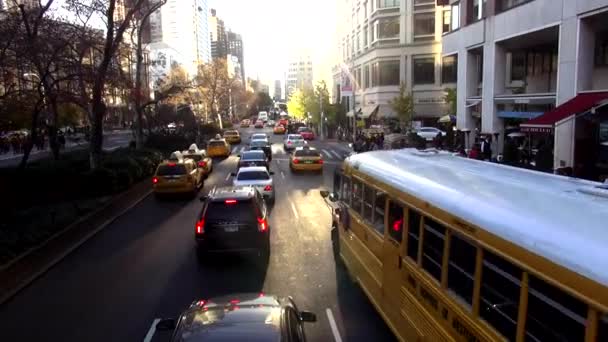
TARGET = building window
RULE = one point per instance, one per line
(518, 66)
(455, 10)
(358, 42)
(388, 3)
(449, 69)
(387, 28)
(446, 23)
(601, 49)
(477, 10)
(366, 77)
(385, 73)
(424, 70)
(504, 5)
(424, 26)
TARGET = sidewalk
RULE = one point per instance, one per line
(24, 269)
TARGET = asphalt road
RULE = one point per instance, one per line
(111, 141)
(144, 266)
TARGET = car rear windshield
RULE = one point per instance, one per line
(231, 133)
(295, 137)
(253, 175)
(195, 157)
(242, 210)
(258, 136)
(253, 156)
(307, 153)
(216, 144)
(171, 170)
(304, 129)
(258, 143)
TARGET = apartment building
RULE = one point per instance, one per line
(535, 68)
(386, 43)
(299, 73)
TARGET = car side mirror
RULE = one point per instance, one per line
(324, 193)
(167, 324)
(333, 197)
(203, 198)
(307, 316)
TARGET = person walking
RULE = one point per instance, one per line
(486, 149)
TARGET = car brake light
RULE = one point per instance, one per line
(154, 180)
(200, 226)
(202, 164)
(230, 201)
(235, 301)
(295, 161)
(262, 224)
(171, 164)
(268, 188)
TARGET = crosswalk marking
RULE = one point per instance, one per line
(326, 153)
(336, 154)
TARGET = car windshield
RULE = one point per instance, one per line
(241, 211)
(252, 175)
(295, 137)
(216, 144)
(253, 155)
(307, 153)
(171, 170)
(259, 143)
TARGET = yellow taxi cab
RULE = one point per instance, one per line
(279, 129)
(177, 175)
(306, 158)
(232, 136)
(218, 147)
(203, 162)
(245, 123)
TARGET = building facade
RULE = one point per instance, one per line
(388, 43)
(299, 74)
(277, 90)
(217, 31)
(235, 48)
(530, 67)
(184, 27)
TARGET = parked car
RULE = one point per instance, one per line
(429, 133)
(292, 141)
(306, 133)
(241, 317)
(258, 177)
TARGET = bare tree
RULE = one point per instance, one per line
(117, 16)
(214, 83)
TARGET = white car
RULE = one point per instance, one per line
(257, 136)
(258, 177)
(429, 133)
(292, 141)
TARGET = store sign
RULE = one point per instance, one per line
(527, 129)
(429, 100)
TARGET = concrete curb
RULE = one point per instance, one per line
(24, 269)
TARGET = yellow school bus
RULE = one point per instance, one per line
(453, 249)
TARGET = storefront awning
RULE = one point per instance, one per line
(386, 112)
(578, 104)
(368, 111)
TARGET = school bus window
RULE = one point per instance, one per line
(413, 233)
(500, 286)
(432, 247)
(395, 221)
(357, 193)
(378, 216)
(602, 328)
(369, 195)
(338, 183)
(553, 315)
(461, 269)
(346, 190)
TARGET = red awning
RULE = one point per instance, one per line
(579, 104)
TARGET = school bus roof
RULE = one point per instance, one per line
(562, 219)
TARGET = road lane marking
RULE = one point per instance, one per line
(234, 149)
(336, 154)
(152, 330)
(326, 153)
(295, 211)
(228, 176)
(278, 161)
(333, 325)
(213, 190)
(282, 174)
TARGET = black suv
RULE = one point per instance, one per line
(253, 158)
(233, 219)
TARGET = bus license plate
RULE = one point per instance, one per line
(231, 229)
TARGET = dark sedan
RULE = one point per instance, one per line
(253, 158)
(244, 317)
(261, 145)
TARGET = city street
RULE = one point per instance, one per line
(143, 267)
(112, 140)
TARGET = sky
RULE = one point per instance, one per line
(274, 29)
